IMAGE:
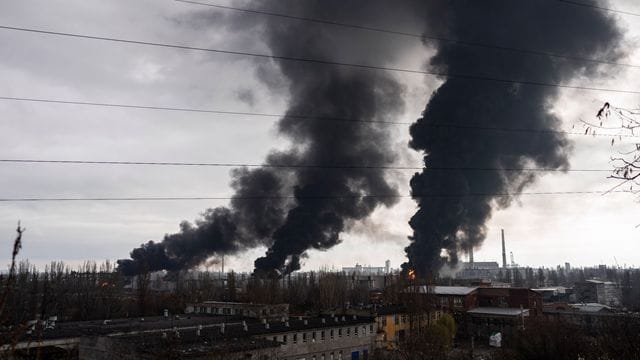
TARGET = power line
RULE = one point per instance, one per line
(294, 166)
(597, 7)
(326, 197)
(410, 34)
(207, 111)
(308, 117)
(325, 62)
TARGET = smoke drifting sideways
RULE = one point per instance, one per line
(321, 203)
(445, 226)
(223, 230)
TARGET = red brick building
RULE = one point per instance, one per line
(511, 298)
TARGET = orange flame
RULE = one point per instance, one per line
(412, 274)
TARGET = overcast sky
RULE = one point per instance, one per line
(540, 230)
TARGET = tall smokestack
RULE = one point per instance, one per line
(471, 256)
(504, 251)
(454, 206)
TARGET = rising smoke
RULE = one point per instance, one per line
(455, 224)
(323, 203)
(244, 224)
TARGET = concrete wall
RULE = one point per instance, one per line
(310, 345)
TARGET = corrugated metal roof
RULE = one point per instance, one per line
(453, 290)
(499, 311)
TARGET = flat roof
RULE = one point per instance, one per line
(233, 303)
(453, 290)
(551, 288)
(590, 307)
(499, 311)
(132, 326)
(443, 290)
(596, 281)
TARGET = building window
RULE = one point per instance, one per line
(384, 321)
(396, 319)
(348, 331)
(331, 334)
(322, 335)
(295, 338)
(355, 331)
(304, 337)
(313, 336)
(371, 328)
(340, 355)
(330, 356)
(364, 330)
(457, 301)
(340, 332)
(284, 339)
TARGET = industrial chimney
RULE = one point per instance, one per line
(504, 252)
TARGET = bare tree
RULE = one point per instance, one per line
(10, 334)
(621, 124)
(11, 277)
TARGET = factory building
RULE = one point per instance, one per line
(368, 270)
(200, 335)
(596, 291)
(257, 311)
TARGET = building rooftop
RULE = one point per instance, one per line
(496, 311)
(481, 265)
(443, 290)
(595, 281)
(591, 307)
(453, 290)
(190, 323)
(555, 290)
(230, 303)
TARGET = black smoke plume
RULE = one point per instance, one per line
(322, 202)
(333, 92)
(244, 224)
(444, 226)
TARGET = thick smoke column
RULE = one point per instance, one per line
(334, 92)
(456, 224)
(245, 224)
(323, 202)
